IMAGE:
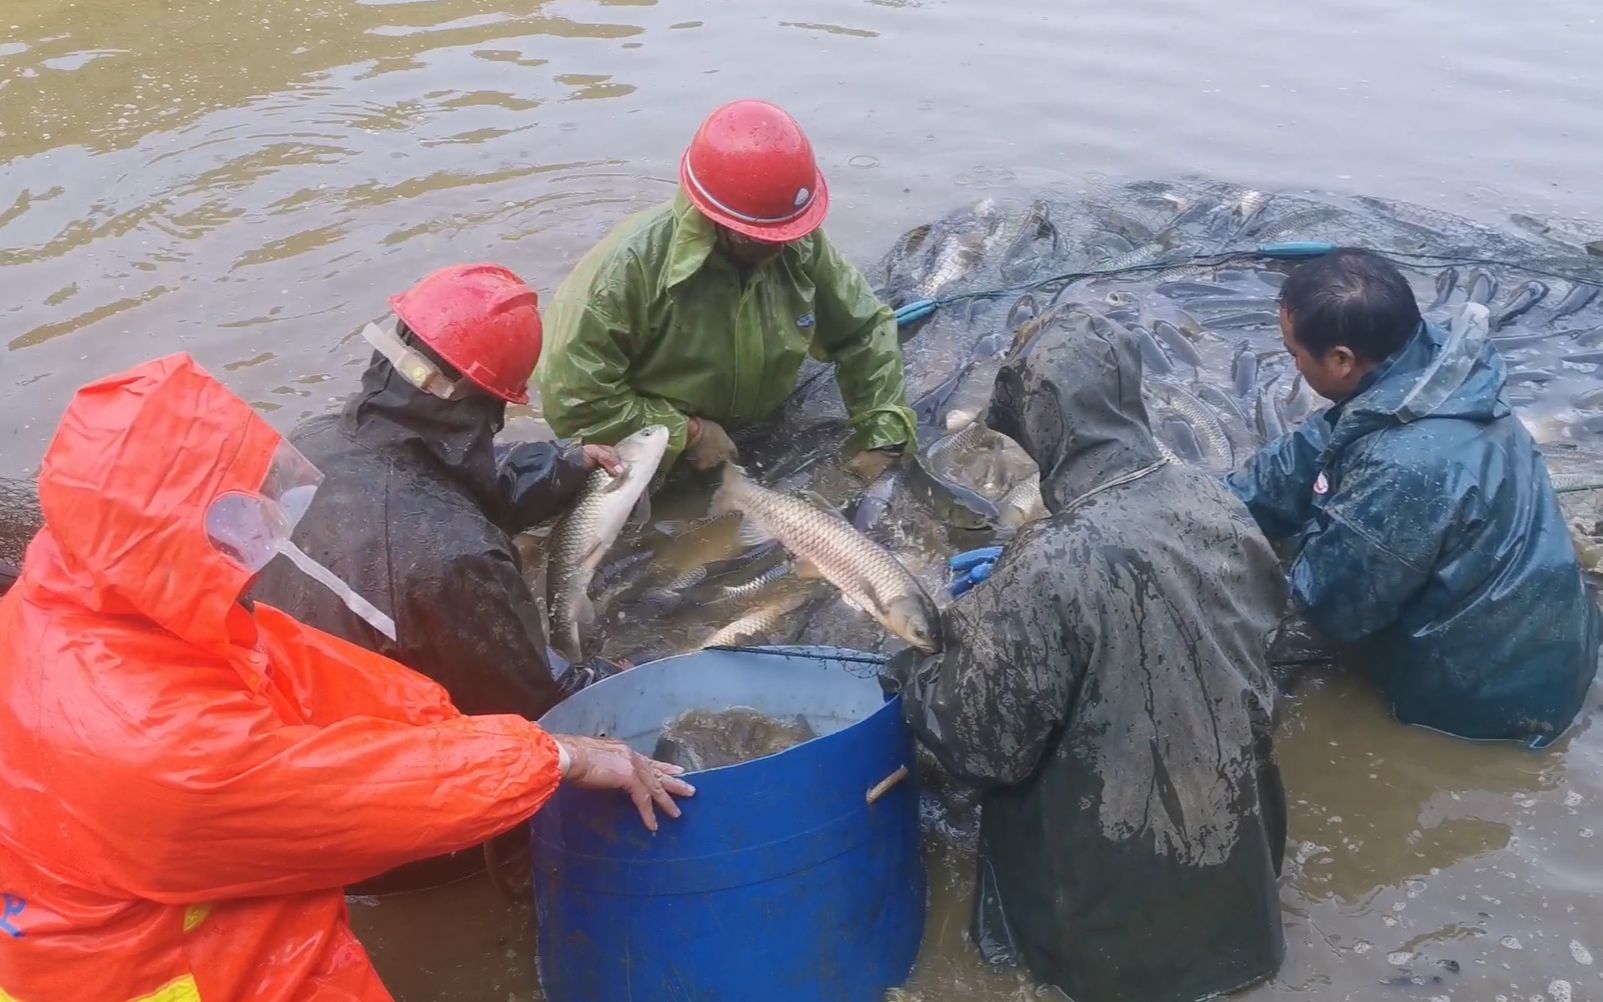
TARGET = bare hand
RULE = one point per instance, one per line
(708, 446)
(603, 457)
(606, 764)
(870, 463)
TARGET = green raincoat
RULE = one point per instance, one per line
(654, 327)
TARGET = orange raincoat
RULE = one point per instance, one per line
(187, 784)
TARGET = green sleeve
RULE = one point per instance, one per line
(584, 389)
(857, 332)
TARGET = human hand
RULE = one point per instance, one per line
(971, 567)
(870, 463)
(603, 457)
(709, 446)
(607, 764)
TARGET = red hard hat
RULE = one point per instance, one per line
(481, 319)
(751, 169)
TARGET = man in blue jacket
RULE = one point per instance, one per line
(1429, 541)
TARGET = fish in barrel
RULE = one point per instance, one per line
(866, 573)
(588, 530)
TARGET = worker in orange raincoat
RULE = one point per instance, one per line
(187, 779)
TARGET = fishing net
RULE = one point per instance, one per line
(20, 518)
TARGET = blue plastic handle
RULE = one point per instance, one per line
(972, 558)
(1296, 249)
(916, 310)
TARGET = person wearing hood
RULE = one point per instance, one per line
(1430, 547)
(415, 512)
(1108, 689)
(697, 315)
(189, 778)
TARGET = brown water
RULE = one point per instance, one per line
(249, 182)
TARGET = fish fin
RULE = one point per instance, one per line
(723, 499)
(852, 603)
(752, 533)
(806, 569)
(819, 501)
(641, 515)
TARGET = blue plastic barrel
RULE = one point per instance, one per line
(791, 878)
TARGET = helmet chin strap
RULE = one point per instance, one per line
(414, 366)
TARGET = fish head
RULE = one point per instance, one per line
(645, 448)
(913, 618)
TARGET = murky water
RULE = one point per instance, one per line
(251, 183)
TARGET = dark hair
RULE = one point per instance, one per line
(1350, 297)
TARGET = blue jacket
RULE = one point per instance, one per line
(1430, 544)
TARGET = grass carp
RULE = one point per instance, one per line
(587, 530)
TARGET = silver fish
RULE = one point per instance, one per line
(1141, 256)
(1482, 287)
(863, 570)
(1214, 442)
(1244, 371)
(954, 256)
(1525, 297)
(1293, 224)
(1152, 355)
(760, 622)
(968, 436)
(756, 584)
(588, 529)
(1179, 431)
(1224, 402)
(1178, 343)
(1580, 295)
(1023, 502)
(1270, 427)
(1446, 282)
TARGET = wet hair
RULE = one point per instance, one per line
(1353, 298)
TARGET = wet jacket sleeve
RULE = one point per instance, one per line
(857, 333)
(584, 388)
(243, 806)
(486, 637)
(536, 481)
(1375, 543)
(1277, 484)
(987, 705)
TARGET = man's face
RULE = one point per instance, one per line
(1335, 375)
(745, 251)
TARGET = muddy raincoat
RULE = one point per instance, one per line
(187, 782)
(1430, 544)
(415, 516)
(1108, 689)
(654, 326)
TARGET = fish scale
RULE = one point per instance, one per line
(587, 530)
(864, 571)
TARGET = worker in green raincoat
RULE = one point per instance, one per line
(697, 314)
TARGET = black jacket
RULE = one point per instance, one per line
(414, 514)
(1108, 688)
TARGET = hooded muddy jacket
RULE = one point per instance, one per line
(654, 326)
(413, 514)
(187, 782)
(1108, 688)
(1430, 544)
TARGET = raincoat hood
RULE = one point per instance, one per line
(1071, 397)
(455, 437)
(1438, 373)
(125, 487)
